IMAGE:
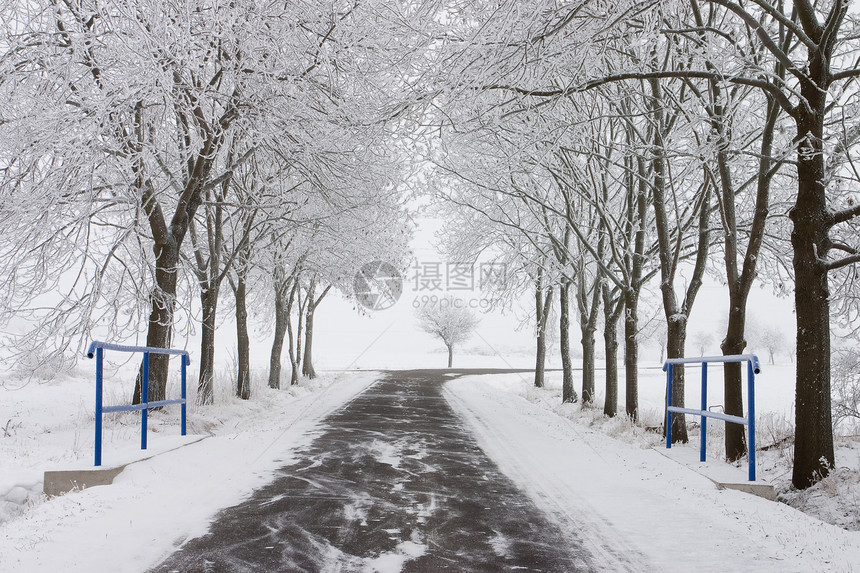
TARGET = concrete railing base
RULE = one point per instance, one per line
(724, 476)
(60, 482)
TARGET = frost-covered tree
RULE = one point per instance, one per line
(449, 320)
(122, 121)
(800, 56)
(772, 338)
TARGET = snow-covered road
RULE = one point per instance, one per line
(393, 482)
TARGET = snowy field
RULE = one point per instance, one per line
(601, 478)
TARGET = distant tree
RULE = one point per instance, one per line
(449, 320)
(703, 341)
(772, 338)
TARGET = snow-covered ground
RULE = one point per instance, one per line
(607, 480)
(153, 504)
(601, 478)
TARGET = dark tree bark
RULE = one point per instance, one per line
(308, 364)
(812, 218)
(631, 353)
(295, 294)
(159, 333)
(568, 394)
(588, 302)
(298, 355)
(637, 214)
(450, 348)
(238, 280)
(613, 306)
(284, 292)
(208, 272)
(588, 347)
(243, 377)
(209, 303)
(543, 306)
(307, 357)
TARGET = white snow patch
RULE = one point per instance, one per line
(393, 561)
(387, 452)
(500, 543)
(357, 509)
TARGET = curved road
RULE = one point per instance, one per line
(394, 482)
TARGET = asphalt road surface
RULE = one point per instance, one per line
(394, 482)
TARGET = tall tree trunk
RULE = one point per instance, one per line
(450, 354)
(298, 356)
(294, 365)
(637, 215)
(740, 280)
(282, 311)
(240, 290)
(813, 447)
(308, 363)
(734, 343)
(209, 304)
(675, 342)
(631, 353)
(676, 320)
(568, 394)
(243, 342)
(612, 307)
(159, 334)
(543, 305)
(307, 360)
(588, 302)
(588, 344)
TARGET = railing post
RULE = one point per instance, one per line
(751, 418)
(96, 350)
(144, 398)
(183, 359)
(703, 434)
(752, 369)
(669, 381)
(99, 385)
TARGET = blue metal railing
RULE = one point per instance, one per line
(96, 350)
(749, 421)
